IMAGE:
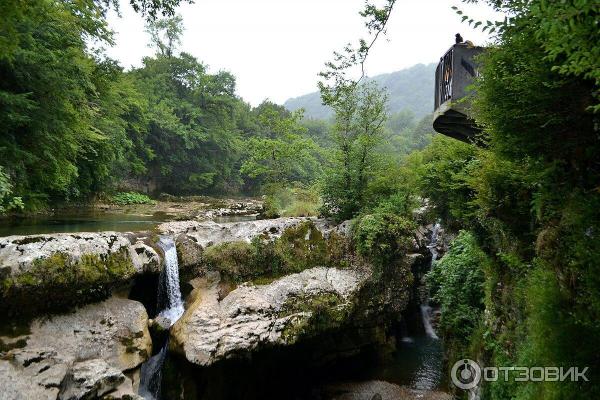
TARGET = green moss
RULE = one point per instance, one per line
(130, 346)
(58, 282)
(339, 251)
(324, 312)
(302, 247)
(265, 280)
(233, 259)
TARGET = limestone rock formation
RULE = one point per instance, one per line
(91, 379)
(77, 355)
(208, 233)
(54, 271)
(252, 316)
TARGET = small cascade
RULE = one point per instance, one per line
(169, 293)
(426, 314)
(426, 310)
(432, 246)
(151, 375)
(171, 306)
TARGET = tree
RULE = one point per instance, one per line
(48, 98)
(165, 34)
(360, 116)
(280, 153)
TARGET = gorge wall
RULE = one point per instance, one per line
(82, 319)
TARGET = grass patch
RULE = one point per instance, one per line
(296, 201)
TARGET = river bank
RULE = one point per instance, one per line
(97, 217)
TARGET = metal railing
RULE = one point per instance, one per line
(443, 79)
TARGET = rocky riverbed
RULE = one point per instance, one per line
(77, 330)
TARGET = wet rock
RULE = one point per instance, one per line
(19, 253)
(115, 330)
(17, 384)
(114, 333)
(240, 208)
(146, 258)
(251, 316)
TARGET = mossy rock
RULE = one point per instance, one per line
(316, 314)
(301, 247)
(58, 282)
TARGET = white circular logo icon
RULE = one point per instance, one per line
(466, 374)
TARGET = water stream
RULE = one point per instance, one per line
(428, 375)
(171, 306)
(169, 294)
(426, 310)
(418, 362)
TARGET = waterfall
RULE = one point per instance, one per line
(151, 375)
(426, 311)
(169, 294)
(171, 306)
(432, 246)
(426, 316)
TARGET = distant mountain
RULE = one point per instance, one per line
(410, 88)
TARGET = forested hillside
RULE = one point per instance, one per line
(408, 89)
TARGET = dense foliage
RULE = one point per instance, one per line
(529, 200)
(127, 198)
(76, 125)
(456, 284)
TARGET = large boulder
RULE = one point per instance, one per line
(52, 272)
(251, 316)
(229, 247)
(79, 355)
(208, 233)
(90, 380)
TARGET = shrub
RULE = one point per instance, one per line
(128, 198)
(301, 247)
(8, 202)
(456, 283)
(383, 237)
(242, 260)
(295, 201)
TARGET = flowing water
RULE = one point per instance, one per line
(79, 220)
(171, 306)
(426, 310)
(169, 294)
(425, 352)
(151, 375)
(418, 361)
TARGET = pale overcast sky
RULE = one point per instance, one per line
(275, 48)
